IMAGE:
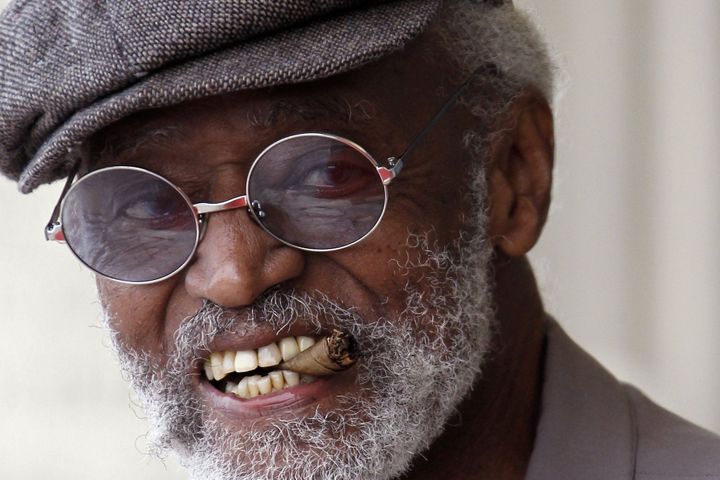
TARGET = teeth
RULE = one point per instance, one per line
(208, 370)
(264, 385)
(222, 363)
(251, 387)
(252, 384)
(269, 355)
(246, 361)
(276, 378)
(228, 363)
(291, 378)
(288, 348)
(305, 342)
(242, 388)
(216, 360)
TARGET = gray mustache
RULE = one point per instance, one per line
(278, 309)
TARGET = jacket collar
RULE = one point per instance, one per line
(587, 427)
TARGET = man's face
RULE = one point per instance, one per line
(414, 293)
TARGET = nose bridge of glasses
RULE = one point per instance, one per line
(232, 204)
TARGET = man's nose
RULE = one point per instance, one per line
(237, 261)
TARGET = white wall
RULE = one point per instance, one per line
(629, 260)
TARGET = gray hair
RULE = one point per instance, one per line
(474, 34)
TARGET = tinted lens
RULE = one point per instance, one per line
(129, 224)
(317, 192)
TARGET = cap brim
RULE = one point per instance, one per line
(323, 48)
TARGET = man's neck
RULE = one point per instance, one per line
(492, 435)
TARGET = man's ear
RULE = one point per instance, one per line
(520, 174)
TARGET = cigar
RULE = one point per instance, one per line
(330, 355)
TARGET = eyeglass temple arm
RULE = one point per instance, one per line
(396, 163)
(53, 230)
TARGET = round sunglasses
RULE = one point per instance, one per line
(317, 192)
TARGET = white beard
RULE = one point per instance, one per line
(414, 371)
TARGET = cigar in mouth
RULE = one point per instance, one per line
(330, 355)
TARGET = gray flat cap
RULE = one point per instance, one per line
(71, 67)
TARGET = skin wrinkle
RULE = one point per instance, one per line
(129, 145)
(341, 109)
(212, 320)
(368, 429)
(334, 107)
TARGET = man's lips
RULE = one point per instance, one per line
(240, 376)
(289, 400)
(297, 400)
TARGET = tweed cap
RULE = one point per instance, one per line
(70, 67)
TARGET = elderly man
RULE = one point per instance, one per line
(308, 222)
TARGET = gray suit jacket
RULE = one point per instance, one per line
(593, 427)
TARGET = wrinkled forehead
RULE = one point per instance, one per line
(401, 91)
(79, 68)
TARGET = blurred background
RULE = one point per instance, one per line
(629, 263)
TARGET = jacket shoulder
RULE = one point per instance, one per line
(669, 447)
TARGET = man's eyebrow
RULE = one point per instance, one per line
(333, 108)
(119, 145)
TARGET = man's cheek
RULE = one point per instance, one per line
(136, 313)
